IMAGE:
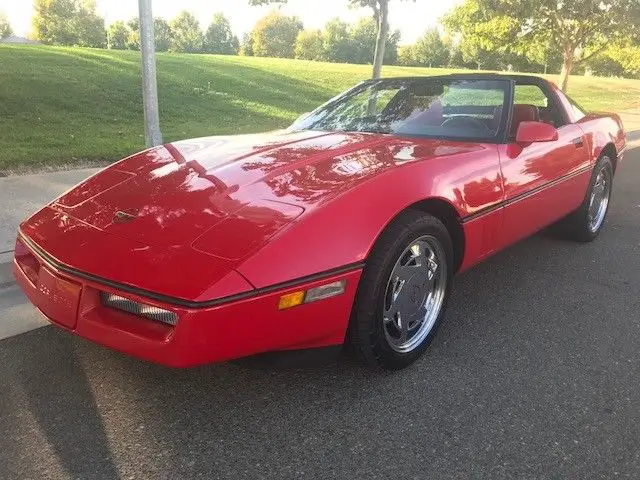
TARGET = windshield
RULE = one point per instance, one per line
(430, 107)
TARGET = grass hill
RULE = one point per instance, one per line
(71, 105)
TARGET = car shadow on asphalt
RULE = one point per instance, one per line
(53, 386)
(78, 393)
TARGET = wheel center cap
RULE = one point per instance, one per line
(416, 294)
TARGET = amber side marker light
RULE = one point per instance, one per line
(299, 297)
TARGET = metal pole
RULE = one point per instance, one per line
(149, 84)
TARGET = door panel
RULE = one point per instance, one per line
(543, 182)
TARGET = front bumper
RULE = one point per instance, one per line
(222, 332)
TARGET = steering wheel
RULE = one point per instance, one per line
(462, 122)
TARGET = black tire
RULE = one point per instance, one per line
(366, 329)
(577, 226)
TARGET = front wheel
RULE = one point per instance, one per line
(403, 291)
(585, 224)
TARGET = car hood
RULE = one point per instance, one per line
(248, 187)
(220, 198)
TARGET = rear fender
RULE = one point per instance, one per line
(603, 130)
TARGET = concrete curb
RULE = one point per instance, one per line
(6, 276)
(635, 143)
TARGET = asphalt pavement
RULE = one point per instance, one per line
(534, 375)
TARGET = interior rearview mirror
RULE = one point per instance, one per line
(531, 132)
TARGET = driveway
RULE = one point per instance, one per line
(535, 374)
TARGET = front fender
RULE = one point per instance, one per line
(343, 230)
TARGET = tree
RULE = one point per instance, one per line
(456, 59)
(541, 51)
(336, 41)
(406, 56)
(481, 33)
(579, 30)
(133, 37)
(381, 15)
(275, 35)
(391, 48)
(429, 50)
(52, 21)
(604, 65)
(246, 47)
(68, 22)
(89, 25)
(186, 35)
(117, 35)
(479, 54)
(309, 45)
(161, 34)
(628, 56)
(5, 26)
(219, 37)
(363, 39)
(619, 61)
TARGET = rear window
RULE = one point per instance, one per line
(574, 110)
(578, 112)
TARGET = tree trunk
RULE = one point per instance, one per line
(567, 67)
(381, 40)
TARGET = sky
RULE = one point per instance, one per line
(411, 18)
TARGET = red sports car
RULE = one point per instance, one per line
(348, 226)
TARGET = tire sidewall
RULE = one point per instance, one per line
(374, 283)
(603, 162)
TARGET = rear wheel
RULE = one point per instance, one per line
(403, 292)
(585, 224)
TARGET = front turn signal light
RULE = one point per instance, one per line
(291, 300)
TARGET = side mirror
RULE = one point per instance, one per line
(531, 132)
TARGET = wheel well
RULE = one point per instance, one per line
(610, 151)
(445, 212)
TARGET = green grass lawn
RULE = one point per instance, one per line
(72, 105)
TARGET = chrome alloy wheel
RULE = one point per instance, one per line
(599, 201)
(415, 294)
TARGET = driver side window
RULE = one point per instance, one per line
(533, 98)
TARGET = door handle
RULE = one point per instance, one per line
(578, 142)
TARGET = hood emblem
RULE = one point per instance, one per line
(124, 216)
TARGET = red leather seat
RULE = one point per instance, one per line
(523, 113)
